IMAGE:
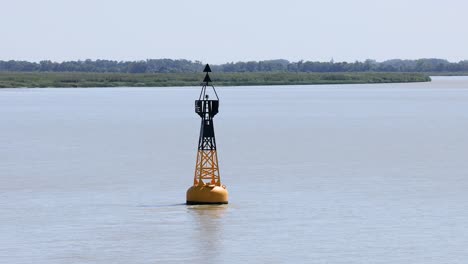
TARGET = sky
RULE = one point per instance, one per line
(219, 31)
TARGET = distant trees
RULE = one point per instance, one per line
(421, 65)
(280, 65)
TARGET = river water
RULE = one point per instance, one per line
(374, 173)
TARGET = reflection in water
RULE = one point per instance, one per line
(208, 225)
(215, 211)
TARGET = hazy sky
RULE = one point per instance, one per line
(218, 31)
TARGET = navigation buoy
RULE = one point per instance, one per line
(207, 187)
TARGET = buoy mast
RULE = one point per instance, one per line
(207, 187)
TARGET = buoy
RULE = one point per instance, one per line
(207, 187)
(207, 194)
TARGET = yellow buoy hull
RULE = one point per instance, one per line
(207, 194)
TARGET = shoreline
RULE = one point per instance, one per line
(88, 80)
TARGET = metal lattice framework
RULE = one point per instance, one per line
(207, 169)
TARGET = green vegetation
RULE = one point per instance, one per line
(181, 66)
(74, 79)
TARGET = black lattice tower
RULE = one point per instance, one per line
(207, 169)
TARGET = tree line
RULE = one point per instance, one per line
(187, 66)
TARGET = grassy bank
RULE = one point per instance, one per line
(59, 79)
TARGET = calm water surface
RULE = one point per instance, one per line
(316, 174)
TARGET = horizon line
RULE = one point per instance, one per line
(228, 62)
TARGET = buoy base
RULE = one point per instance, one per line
(207, 194)
(203, 203)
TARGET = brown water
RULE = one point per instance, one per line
(316, 174)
